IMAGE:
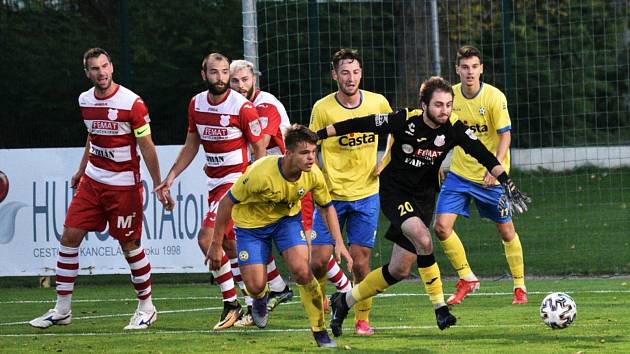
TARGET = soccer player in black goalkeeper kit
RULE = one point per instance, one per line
(408, 188)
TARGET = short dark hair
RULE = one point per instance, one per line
(432, 84)
(94, 53)
(467, 51)
(213, 56)
(346, 54)
(298, 133)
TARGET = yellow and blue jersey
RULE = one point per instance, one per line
(348, 161)
(487, 116)
(262, 195)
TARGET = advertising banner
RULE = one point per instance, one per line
(34, 206)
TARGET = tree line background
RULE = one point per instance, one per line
(564, 65)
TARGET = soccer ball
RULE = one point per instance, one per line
(558, 310)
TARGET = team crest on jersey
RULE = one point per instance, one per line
(263, 121)
(439, 140)
(243, 256)
(254, 127)
(112, 114)
(482, 111)
(406, 148)
(225, 120)
(471, 134)
(301, 192)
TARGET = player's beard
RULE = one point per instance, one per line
(347, 92)
(250, 93)
(434, 119)
(215, 89)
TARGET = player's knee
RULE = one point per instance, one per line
(399, 270)
(442, 230)
(302, 275)
(426, 244)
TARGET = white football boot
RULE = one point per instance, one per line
(142, 320)
(52, 317)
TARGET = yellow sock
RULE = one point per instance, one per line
(514, 256)
(432, 283)
(362, 309)
(313, 302)
(374, 283)
(322, 283)
(259, 295)
(456, 253)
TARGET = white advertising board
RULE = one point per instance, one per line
(33, 213)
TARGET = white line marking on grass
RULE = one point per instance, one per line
(279, 330)
(8, 302)
(112, 300)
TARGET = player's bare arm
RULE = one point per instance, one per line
(260, 147)
(149, 154)
(215, 251)
(505, 139)
(74, 181)
(185, 157)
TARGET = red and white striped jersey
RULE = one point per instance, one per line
(110, 122)
(273, 119)
(224, 129)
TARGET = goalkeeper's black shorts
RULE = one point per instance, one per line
(399, 205)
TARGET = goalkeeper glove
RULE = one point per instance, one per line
(513, 197)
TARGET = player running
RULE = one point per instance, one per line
(409, 183)
(265, 205)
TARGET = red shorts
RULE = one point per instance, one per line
(95, 205)
(214, 197)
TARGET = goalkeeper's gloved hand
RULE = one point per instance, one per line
(514, 197)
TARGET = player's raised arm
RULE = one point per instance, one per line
(375, 123)
(467, 139)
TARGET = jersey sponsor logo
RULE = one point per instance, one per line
(213, 160)
(103, 127)
(411, 129)
(351, 140)
(439, 140)
(421, 140)
(225, 120)
(380, 119)
(214, 132)
(479, 128)
(112, 114)
(406, 148)
(413, 162)
(428, 153)
(254, 127)
(106, 153)
(471, 134)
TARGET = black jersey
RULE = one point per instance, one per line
(418, 150)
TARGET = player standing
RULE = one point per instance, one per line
(224, 123)
(109, 188)
(265, 206)
(349, 164)
(409, 184)
(484, 108)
